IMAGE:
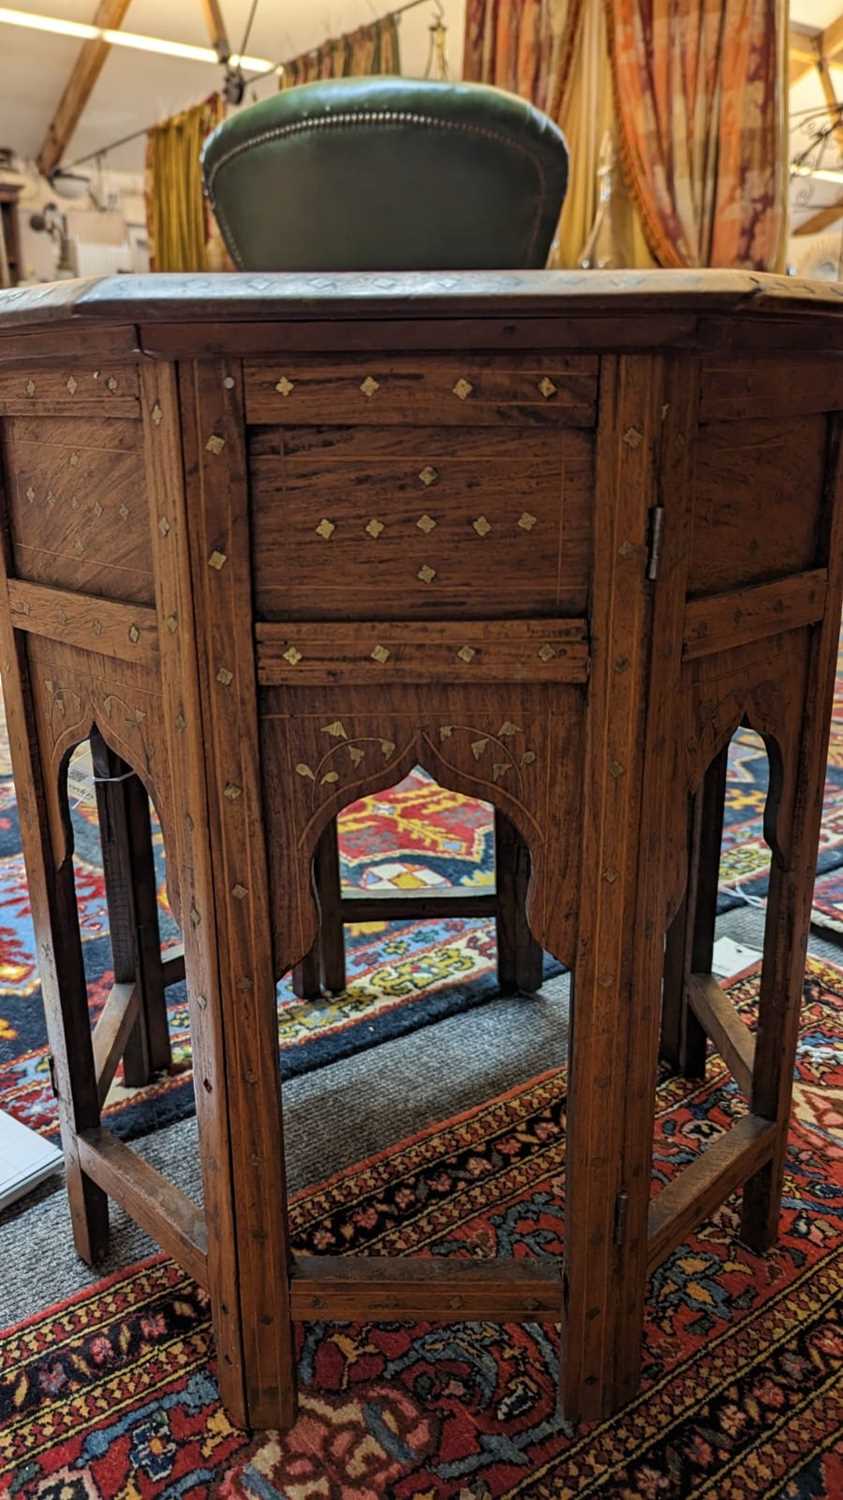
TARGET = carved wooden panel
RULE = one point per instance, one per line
(516, 747)
(78, 505)
(498, 389)
(390, 522)
(76, 391)
(72, 690)
(738, 389)
(757, 501)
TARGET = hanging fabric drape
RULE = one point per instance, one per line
(555, 53)
(374, 48)
(689, 94)
(698, 89)
(183, 235)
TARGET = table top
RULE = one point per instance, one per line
(240, 296)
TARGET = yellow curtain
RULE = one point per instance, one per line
(183, 235)
(371, 49)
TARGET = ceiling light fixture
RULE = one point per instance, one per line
(85, 33)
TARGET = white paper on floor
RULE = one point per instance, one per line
(25, 1159)
(730, 957)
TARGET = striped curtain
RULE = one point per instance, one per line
(183, 234)
(371, 49)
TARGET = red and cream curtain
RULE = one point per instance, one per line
(371, 49)
(689, 95)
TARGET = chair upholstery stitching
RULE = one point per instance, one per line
(372, 117)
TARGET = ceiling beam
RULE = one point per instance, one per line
(831, 40)
(86, 70)
(216, 29)
(821, 219)
(803, 51)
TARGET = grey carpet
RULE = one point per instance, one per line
(332, 1117)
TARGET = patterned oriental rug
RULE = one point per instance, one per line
(416, 836)
(112, 1396)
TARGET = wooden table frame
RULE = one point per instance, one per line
(610, 707)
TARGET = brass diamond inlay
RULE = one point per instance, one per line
(381, 654)
(369, 386)
(164, 526)
(325, 529)
(30, 388)
(124, 512)
(232, 791)
(546, 652)
(71, 384)
(215, 443)
(426, 574)
(74, 459)
(463, 388)
(224, 676)
(157, 415)
(526, 521)
(633, 438)
(172, 624)
(217, 560)
(284, 386)
(134, 634)
(375, 527)
(482, 526)
(466, 653)
(426, 523)
(428, 475)
(547, 388)
(292, 656)
(239, 892)
(111, 383)
(30, 494)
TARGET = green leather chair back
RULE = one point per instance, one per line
(387, 174)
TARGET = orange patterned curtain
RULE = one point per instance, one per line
(699, 86)
(526, 46)
(183, 234)
(371, 49)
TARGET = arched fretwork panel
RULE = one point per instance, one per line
(518, 749)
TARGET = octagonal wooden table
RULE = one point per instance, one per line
(272, 541)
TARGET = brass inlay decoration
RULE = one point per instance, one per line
(478, 747)
(528, 758)
(482, 526)
(215, 443)
(111, 383)
(70, 384)
(292, 656)
(547, 388)
(426, 523)
(445, 731)
(164, 526)
(181, 721)
(305, 771)
(426, 574)
(369, 386)
(232, 791)
(381, 654)
(325, 529)
(284, 386)
(428, 475)
(224, 676)
(239, 892)
(546, 652)
(463, 388)
(30, 388)
(79, 548)
(499, 769)
(526, 521)
(337, 730)
(508, 729)
(228, 383)
(74, 459)
(466, 653)
(375, 527)
(30, 494)
(616, 769)
(97, 509)
(355, 754)
(124, 512)
(330, 777)
(217, 560)
(157, 415)
(134, 634)
(172, 624)
(633, 438)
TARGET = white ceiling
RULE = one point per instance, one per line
(136, 89)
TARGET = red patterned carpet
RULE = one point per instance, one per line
(112, 1396)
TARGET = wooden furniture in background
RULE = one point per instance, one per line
(213, 489)
(11, 271)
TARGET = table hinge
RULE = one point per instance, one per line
(51, 1065)
(620, 1217)
(656, 529)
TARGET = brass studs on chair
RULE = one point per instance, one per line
(369, 386)
(374, 527)
(526, 521)
(325, 529)
(463, 389)
(215, 443)
(426, 523)
(284, 386)
(426, 573)
(380, 654)
(547, 388)
(466, 654)
(292, 656)
(217, 560)
(482, 526)
(428, 475)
